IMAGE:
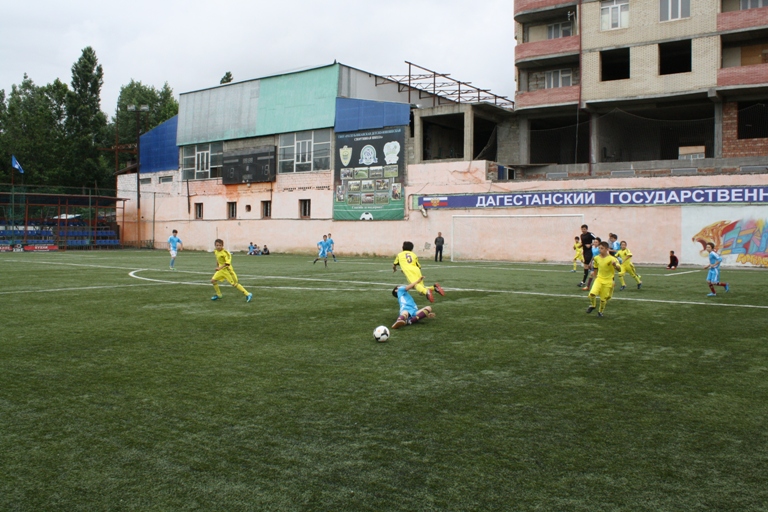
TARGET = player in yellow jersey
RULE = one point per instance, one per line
(225, 272)
(579, 256)
(605, 268)
(409, 264)
(625, 256)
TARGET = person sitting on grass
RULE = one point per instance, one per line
(265, 250)
(673, 261)
(409, 311)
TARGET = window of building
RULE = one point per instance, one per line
(266, 209)
(145, 181)
(232, 210)
(558, 78)
(166, 179)
(614, 14)
(753, 4)
(305, 208)
(674, 9)
(675, 57)
(305, 151)
(202, 161)
(752, 120)
(198, 210)
(614, 64)
(247, 208)
(557, 30)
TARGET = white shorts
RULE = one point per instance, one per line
(173, 253)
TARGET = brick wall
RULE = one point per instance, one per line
(644, 25)
(742, 19)
(732, 145)
(555, 96)
(741, 75)
(644, 77)
(548, 47)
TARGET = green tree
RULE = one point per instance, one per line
(85, 123)
(162, 106)
(32, 127)
(226, 78)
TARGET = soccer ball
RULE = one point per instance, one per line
(381, 334)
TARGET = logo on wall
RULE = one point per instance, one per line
(745, 238)
(345, 154)
(391, 152)
(368, 155)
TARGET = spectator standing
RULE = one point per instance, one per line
(439, 242)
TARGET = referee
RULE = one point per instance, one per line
(586, 246)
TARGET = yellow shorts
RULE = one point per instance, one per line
(226, 274)
(602, 289)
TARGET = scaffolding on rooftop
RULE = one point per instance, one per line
(437, 86)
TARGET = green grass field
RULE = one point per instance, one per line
(124, 387)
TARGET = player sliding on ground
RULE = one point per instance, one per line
(605, 267)
(409, 264)
(409, 311)
(225, 272)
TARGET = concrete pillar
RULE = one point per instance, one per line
(418, 138)
(718, 130)
(594, 147)
(525, 140)
(469, 133)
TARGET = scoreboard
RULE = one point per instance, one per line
(249, 165)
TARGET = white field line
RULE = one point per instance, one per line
(80, 288)
(367, 283)
(679, 273)
(582, 297)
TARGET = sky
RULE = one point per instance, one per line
(191, 44)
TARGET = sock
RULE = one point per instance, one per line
(421, 314)
(712, 287)
(602, 305)
(240, 287)
(217, 289)
(574, 266)
(721, 284)
(586, 272)
(592, 300)
(589, 283)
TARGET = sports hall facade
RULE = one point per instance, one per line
(648, 120)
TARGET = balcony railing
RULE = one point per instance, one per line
(755, 74)
(548, 47)
(546, 97)
(748, 18)
(534, 5)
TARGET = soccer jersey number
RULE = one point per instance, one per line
(408, 258)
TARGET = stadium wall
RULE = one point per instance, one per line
(650, 230)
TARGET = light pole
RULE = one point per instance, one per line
(139, 110)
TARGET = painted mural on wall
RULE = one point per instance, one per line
(368, 175)
(740, 235)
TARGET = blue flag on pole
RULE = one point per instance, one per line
(16, 165)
